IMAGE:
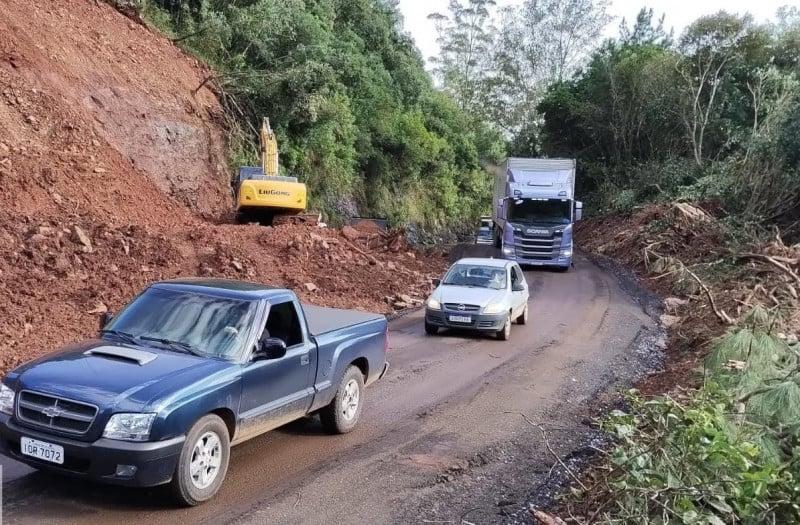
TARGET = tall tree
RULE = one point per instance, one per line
(566, 30)
(709, 45)
(644, 31)
(540, 42)
(465, 41)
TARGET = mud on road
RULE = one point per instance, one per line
(442, 437)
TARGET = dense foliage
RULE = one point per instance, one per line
(727, 453)
(712, 115)
(355, 111)
(498, 63)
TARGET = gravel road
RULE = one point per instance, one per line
(443, 438)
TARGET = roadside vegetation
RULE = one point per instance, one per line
(356, 114)
(710, 118)
(710, 115)
(688, 148)
(723, 453)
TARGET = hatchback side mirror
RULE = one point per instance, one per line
(270, 348)
(104, 319)
(437, 282)
(519, 287)
(578, 210)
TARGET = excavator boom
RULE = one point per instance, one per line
(261, 191)
(269, 150)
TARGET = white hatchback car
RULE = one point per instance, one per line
(484, 295)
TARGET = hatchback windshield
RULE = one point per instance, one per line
(476, 276)
(188, 322)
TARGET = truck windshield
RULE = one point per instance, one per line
(476, 276)
(190, 322)
(535, 211)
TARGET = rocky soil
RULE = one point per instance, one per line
(113, 175)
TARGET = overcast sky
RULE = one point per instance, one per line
(679, 13)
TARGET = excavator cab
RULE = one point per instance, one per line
(261, 193)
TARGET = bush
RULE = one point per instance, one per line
(726, 453)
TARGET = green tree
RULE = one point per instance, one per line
(464, 63)
(539, 42)
(711, 45)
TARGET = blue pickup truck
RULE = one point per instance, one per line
(187, 369)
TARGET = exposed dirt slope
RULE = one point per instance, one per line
(685, 253)
(125, 92)
(109, 162)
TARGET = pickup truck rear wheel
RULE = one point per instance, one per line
(341, 415)
(203, 462)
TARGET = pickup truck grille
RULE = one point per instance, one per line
(55, 413)
(458, 307)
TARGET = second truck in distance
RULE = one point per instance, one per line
(534, 210)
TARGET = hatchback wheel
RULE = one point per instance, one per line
(505, 333)
(431, 329)
(523, 317)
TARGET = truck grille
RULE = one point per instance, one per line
(55, 413)
(458, 307)
(538, 247)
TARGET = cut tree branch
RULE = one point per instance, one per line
(725, 318)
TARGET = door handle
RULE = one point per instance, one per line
(304, 359)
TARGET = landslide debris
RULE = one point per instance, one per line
(708, 278)
(111, 162)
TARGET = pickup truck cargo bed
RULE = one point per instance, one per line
(322, 320)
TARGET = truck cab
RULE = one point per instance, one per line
(535, 210)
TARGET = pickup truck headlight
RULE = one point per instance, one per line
(129, 427)
(494, 309)
(433, 304)
(6, 400)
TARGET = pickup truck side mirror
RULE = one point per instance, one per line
(270, 348)
(437, 282)
(104, 319)
(578, 210)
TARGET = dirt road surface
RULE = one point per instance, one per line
(442, 438)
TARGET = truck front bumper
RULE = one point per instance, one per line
(557, 262)
(479, 322)
(99, 460)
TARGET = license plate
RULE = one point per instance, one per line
(460, 319)
(42, 450)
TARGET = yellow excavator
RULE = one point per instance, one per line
(262, 195)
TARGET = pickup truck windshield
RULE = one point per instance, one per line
(190, 322)
(476, 276)
(534, 211)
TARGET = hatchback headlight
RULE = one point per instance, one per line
(494, 309)
(6, 400)
(129, 427)
(433, 304)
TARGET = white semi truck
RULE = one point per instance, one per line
(534, 209)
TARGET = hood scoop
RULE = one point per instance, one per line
(140, 357)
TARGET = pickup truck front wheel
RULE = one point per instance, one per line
(341, 415)
(203, 462)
